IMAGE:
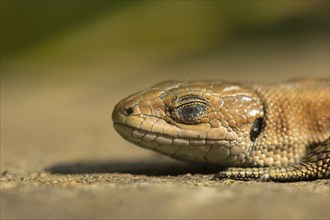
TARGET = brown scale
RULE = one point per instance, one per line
(297, 123)
(276, 131)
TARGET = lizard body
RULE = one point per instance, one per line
(274, 131)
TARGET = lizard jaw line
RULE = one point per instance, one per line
(193, 150)
(139, 136)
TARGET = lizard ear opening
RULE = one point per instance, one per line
(256, 128)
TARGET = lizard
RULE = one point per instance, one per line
(257, 131)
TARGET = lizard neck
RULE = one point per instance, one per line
(296, 120)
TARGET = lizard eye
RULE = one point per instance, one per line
(256, 128)
(189, 110)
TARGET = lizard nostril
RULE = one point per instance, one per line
(128, 111)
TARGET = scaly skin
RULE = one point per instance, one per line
(277, 131)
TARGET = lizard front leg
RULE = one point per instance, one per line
(315, 166)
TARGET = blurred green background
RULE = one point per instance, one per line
(84, 38)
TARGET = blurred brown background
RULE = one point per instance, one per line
(65, 64)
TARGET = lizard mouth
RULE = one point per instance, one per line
(193, 150)
(139, 136)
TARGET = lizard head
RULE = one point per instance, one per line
(203, 121)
